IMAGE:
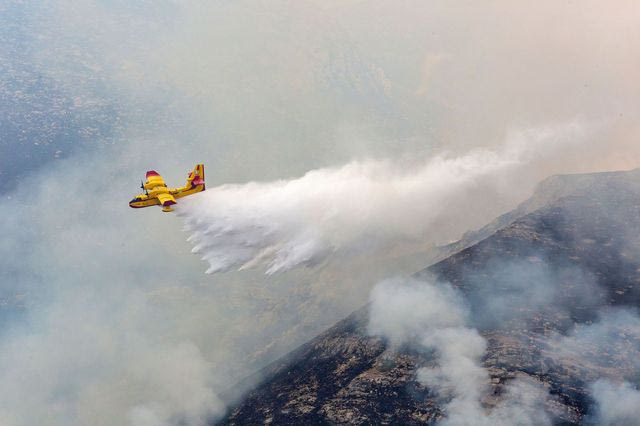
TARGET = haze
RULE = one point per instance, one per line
(107, 318)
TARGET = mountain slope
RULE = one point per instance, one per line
(571, 254)
(547, 192)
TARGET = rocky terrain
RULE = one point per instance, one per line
(537, 281)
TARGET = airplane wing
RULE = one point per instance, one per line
(166, 199)
(154, 179)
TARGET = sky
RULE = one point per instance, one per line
(108, 318)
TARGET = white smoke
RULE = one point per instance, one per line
(617, 404)
(615, 332)
(362, 206)
(608, 349)
(434, 317)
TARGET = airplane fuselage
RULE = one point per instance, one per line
(144, 200)
(154, 190)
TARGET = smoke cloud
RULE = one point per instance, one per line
(434, 317)
(616, 404)
(615, 333)
(507, 293)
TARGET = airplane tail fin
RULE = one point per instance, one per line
(196, 177)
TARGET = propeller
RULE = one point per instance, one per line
(142, 187)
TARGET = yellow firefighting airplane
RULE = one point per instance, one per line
(157, 193)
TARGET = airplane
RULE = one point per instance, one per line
(157, 193)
